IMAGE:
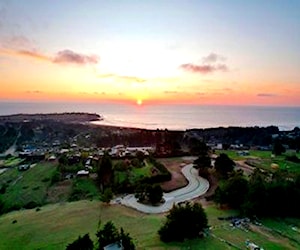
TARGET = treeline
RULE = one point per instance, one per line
(264, 195)
(261, 136)
(162, 174)
(8, 134)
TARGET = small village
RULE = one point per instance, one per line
(51, 162)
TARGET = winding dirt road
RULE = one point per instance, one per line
(197, 186)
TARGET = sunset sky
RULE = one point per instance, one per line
(198, 52)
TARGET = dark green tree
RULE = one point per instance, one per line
(155, 193)
(278, 148)
(105, 173)
(224, 165)
(82, 243)
(109, 234)
(198, 147)
(233, 192)
(255, 203)
(107, 195)
(149, 193)
(237, 190)
(203, 164)
(184, 221)
(126, 240)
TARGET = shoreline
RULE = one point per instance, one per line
(94, 119)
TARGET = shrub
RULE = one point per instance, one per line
(82, 243)
(183, 222)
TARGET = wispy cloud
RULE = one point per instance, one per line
(209, 64)
(69, 56)
(213, 58)
(266, 95)
(62, 57)
(18, 41)
(203, 69)
(170, 92)
(33, 54)
(34, 92)
(122, 77)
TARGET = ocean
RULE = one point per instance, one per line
(172, 117)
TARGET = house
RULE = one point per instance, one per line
(24, 167)
(82, 173)
(114, 246)
(252, 246)
(52, 158)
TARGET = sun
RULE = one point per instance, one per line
(139, 102)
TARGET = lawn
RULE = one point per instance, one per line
(11, 162)
(54, 226)
(135, 174)
(26, 188)
(264, 159)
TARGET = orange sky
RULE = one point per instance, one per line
(220, 59)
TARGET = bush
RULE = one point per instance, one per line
(31, 204)
(82, 243)
(183, 222)
(55, 177)
(109, 234)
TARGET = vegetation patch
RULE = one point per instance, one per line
(26, 189)
(83, 188)
(55, 226)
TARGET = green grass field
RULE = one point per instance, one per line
(54, 226)
(11, 162)
(25, 187)
(265, 159)
(135, 174)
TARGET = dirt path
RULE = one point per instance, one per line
(244, 166)
(174, 166)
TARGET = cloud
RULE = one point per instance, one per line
(266, 95)
(209, 64)
(213, 58)
(18, 42)
(204, 68)
(33, 54)
(34, 92)
(69, 56)
(169, 92)
(121, 77)
(62, 57)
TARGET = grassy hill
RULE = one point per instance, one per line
(54, 226)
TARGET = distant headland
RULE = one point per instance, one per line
(68, 117)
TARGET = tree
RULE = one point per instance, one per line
(149, 193)
(109, 234)
(278, 148)
(184, 221)
(233, 192)
(155, 193)
(237, 190)
(105, 171)
(107, 195)
(198, 147)
(224, 165)
(82, 243)
(203, 163)
(255, 203)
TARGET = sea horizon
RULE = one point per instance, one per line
(167, 116)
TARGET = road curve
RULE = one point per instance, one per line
(197, 186)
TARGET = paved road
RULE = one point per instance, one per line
(197, 186)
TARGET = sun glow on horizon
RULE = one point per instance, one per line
(139, 102)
